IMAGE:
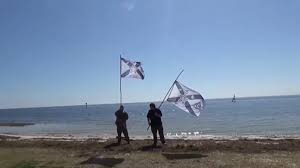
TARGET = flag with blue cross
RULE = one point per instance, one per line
(186, 99)
(131, 69)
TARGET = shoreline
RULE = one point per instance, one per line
(15, 124)
(173, 145)
(103, 138)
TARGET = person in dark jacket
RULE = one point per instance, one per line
(121, 118)
(154, 120)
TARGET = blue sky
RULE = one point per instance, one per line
(66, 52)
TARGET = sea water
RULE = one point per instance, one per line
(262, 116)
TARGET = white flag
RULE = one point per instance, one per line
(131, 69)
(186, 99)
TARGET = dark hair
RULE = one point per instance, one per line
(152, 105)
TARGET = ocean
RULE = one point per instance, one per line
(259, 116)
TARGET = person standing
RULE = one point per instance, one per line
(121, 118)
(154, 120)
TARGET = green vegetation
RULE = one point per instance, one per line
(51, 158)
(26, 165)
(177, 154)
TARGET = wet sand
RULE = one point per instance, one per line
(95, 152)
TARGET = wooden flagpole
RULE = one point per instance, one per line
(120, 81)
(167, 95)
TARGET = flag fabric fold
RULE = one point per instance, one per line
(186, 99)
(131, 69)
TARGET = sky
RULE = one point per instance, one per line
(66, 52)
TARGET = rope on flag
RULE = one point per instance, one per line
(186, 99)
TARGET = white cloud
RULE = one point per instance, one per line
(128, 5)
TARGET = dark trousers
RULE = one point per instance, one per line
(160, 130)
(120, 130)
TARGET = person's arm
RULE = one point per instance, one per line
(148, 118)
(116, 114)
(126, 116)
(158, 113)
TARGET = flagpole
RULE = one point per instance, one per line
(170, 89)
(120, 81)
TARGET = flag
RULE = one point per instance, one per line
(186, 99)
(131, 69)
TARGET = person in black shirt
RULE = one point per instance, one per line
(121, 118)
(154, 120)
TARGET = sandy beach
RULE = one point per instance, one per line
(33, 152)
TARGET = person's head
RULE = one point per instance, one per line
(121, 107)
(152, 106)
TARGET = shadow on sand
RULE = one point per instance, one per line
(111, 145)
(109, 162)
(149, 148)
(176, 156)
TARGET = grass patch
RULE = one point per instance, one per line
(177, 154)
(26, 165)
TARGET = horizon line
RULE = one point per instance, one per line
(244, 97)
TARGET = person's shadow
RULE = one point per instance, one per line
(114, 144)
(178, 156)
(149, 148)
(108, 162)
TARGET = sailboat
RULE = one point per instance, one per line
(233, 99)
